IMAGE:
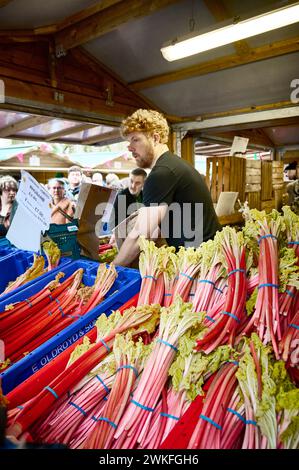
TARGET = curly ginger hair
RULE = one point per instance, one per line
(147, 121)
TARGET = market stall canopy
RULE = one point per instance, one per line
(92, 63)
(28, 157)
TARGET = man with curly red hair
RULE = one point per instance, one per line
(177, 203)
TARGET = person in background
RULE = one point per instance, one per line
(130, 197)
(62, 208)
(74, 182)
(87, 175)
(8, 191)
(292, 188)
(112, 181)
(175, 195)
(292, 170)
(97, 178)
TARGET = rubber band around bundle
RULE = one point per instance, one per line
(207, 281)
(105, 344)
(234, 412)
(210, 318)
(149, 277)
(78, 408)
(166, 415)
(102, 418)
(268, 284)
(267, 236)
(103, 383)
(146, 408)
(159, 340)
(293, 325)
(289, 293)
(129, 367)
(51, 391)
(250, 421)
(209, 420)
(293, 243)
(187, 275)
(237, 270)
(28, 302)
(231, 315)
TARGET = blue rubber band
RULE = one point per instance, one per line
(209, 420)
(267, 236)
(186, 275)
(146, 408)
(28, 302)
(57, 301)
(210, 318)
(250, 421)
(159, 340)
(129, 367)
(192, 294)
(219, 290)
(293, 243)
(62, 312)
(51, 298)
(102, 382)
(166, 415)
(149, 277)
(267, 284)
(289, 293)
(207, 281)
(51, 391)
(78, 408)
(102, 418)
(293, 325)
(50, 313)
(231, 315)
(20, 407)
(105, 344)
(234, 412)
(234, 362)
(237, 270)
(167, 295)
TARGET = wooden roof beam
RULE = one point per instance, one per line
(70, 131)
(221, 13)
(267, 51)
(23, 124)
(106, 20)
(107, 136)
(3, 3)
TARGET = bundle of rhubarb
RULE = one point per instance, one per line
(107, 253)
(37, 268)
(77, 394)
(26, 325)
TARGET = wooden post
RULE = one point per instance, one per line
(187, 149)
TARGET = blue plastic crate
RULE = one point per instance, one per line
(6, 250)
(126, 285)
(16, 263)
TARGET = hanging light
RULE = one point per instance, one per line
(190, 45)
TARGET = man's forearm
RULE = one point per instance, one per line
(129, 251)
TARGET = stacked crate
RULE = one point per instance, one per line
(226, 174)
(278, 183)
(258, 182)
(253, 183)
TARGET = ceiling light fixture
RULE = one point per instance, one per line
(236, 31)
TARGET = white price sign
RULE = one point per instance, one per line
(35, 200)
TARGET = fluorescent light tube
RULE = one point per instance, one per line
(231, 33)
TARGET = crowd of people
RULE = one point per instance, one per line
(64, 192)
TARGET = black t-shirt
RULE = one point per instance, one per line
(191, 217)
(124, 207)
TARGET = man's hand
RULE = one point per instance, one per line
(147, 224)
